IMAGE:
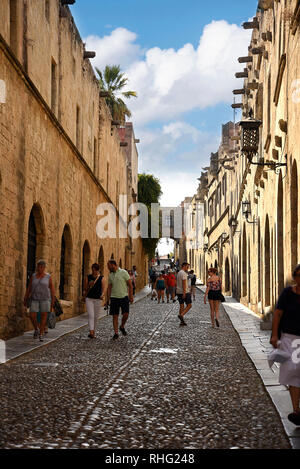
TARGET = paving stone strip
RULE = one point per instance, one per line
(83, 427)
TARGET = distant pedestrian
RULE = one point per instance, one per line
(93, 293)
(183, 294)
(171, 286)
(286, 337)
(135, 276)
(153, 279)
(132, 278)
(40, 292)
(119, 295)
(160, 287)
(213, 293)
(193, 284)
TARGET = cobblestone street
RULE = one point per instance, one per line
(162, 386)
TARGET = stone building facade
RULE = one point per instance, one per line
(61, 156)
(257, 252)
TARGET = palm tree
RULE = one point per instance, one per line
(113, 81)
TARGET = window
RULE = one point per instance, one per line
(13, 25)
(269, 104)
(78, 134)
(95, 158)
(47, 10)
(107, 176)
(53, 86)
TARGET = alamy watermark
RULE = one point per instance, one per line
(136, 221)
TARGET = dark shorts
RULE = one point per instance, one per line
(187, 300)
(214, 295)
(117, 303)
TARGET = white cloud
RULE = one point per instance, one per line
(118, 48)
(171, 83)
(176, 186)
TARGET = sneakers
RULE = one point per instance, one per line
(122, 329)
(116, 336)
(217, 323)
(182, 322)
(41, 337)
(36, 334)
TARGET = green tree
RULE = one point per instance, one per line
(149, 192)
(113, 81)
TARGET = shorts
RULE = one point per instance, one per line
(160, 289)
(214, 295)
(117, 303)
(171, 290)
(193, 289)
(187, 300)
(40, 306)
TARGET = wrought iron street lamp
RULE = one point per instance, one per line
(250, 142)
(224, 237)
(246, 210)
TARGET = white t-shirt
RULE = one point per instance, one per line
(182, 275)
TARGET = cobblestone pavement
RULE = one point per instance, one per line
(162, 386)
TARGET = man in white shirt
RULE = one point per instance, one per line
(183, 294)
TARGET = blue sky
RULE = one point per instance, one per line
(181, 58)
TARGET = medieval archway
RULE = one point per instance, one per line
(86, 259)
(65, 278)
(36, 239)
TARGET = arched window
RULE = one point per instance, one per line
(65, 265)
(280, 247)
(267, 264)
(31, 247)
(244, 264)
(294, 216)
(112, 256)
(101, 260)
(120, 263)
(36, 239)
(258, 262)
(86, 257)
(227, 275)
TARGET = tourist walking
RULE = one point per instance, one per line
(119, 295)
(93, 293)
(171, 286)
(132, 278)
(286, 337)
(183, 294)
(193, 279)
(160, 287)
(153, 279)
(214, 294)
(40, 292)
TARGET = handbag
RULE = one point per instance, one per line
(57, 307)
(51, 320)
(90, 287)
(222, 298)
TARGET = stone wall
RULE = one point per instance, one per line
(262, 255)
(57, 164)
